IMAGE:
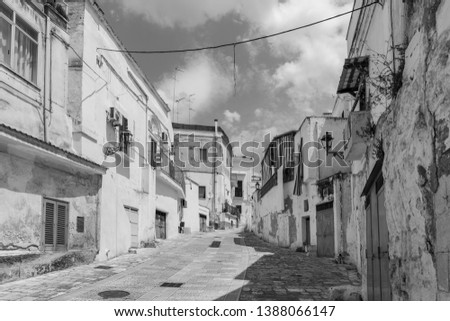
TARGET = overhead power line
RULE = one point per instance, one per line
(234, 44)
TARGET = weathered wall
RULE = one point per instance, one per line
(23, 184)
(22, 101)
(416, 167)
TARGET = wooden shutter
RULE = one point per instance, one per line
(55, 225)
(61, 224)
(49, 212)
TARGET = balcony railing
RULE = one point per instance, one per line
(174, 172)
(227, 208)
(273, 181)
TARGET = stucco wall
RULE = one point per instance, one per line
(23, 184)
(191, 214)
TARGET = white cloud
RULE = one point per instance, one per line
(232, 117)
(206, 77)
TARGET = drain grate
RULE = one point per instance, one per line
(215, 244)
(171, 285)
(103, 267)
(114, 294)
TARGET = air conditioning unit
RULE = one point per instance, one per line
(114, 117)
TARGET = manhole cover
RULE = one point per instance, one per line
(215, 244)
(114, 294)
(103, 267)
(171, 285)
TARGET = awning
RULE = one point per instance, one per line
(354, 69)
(22, 145)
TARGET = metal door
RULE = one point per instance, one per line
(325, 230)
(133, 216)
(160, 225)
(378, 281)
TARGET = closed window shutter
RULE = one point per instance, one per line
(61, 225)
(49, 222)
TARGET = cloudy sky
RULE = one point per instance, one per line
(279, 80)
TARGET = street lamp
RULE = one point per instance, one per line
(257, 185)
(327, 142)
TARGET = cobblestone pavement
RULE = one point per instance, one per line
(242, 267)
(283, 275)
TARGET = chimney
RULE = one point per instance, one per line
(216, 127)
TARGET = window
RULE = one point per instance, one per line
(203, 155)
(238, 190)
(153, 153)
(80, 224)
(126, 137)
(22, 55)
(306, 205)
(55, 225)
(201, 192)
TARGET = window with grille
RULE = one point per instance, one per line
(55, 225)
(19, 44)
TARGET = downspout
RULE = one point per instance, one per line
(392, 37)
(214, 168)
(46, 57)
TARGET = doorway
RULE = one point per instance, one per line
(325, 230)
(377, 238)
(160, 225)
(202, 223)
(133, 216)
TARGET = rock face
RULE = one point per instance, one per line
(417, 159)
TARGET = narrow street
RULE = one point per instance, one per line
(242, 267)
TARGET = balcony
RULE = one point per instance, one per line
(273, 181)
(357, 134)
(227, 208)
(175, 173)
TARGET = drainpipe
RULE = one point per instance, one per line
(214, 167)
(46, 72)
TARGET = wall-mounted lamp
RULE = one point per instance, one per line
(257, 185)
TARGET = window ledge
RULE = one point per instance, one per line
(19, 77)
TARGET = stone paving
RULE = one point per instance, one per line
(243, 267)
(283, 275)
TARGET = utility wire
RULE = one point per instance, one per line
(234, 44)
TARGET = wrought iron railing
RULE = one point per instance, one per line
(227, 208)
(174, 172)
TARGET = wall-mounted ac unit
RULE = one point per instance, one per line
(114, 117)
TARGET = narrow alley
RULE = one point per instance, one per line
(226, 266)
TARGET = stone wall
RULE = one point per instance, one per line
(416, 167)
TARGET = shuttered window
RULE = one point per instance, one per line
(55, 225)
